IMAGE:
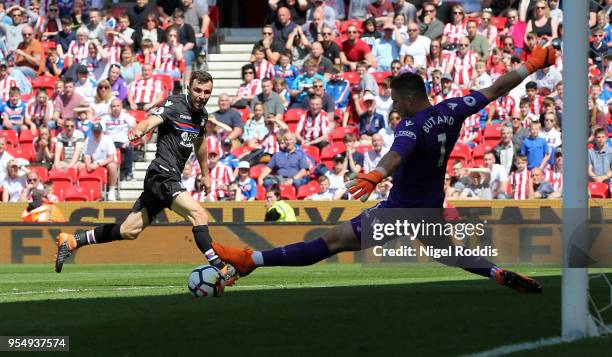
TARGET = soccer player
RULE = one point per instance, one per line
(182, 122)
(417, 159)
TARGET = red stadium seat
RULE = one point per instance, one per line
(478, 154)
(492, 134)
(293, 115)
(42, 172)
(167, 82)
(306, 190)
(77, 194)
(328, 153)
(345, 24)
(292, 127)
(27, 136)
(380, 76)
(338, 133)
(261, 193)
(92, 186)
(244, 113)
(364, 148)
(287, 192)
(461, 152)
(352, 77)
(70, 174)
(213, 13)
(599, 190)
(25, 152)
(240, 150)
(312, 151)
(139, 115)
(62, 182)
(100, 174)
(44, 82)
(499, 22)
(256, 171)
(10, 136)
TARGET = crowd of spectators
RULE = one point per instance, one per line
(315, 101)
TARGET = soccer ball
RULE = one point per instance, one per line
(206, 281)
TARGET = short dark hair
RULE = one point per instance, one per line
(409, 84)
(258, 48)
(200, 76)
(14, 90)
(245, 68)
(600, 131)
(531, 85)
(68, 80)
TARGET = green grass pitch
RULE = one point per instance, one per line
(123, 310)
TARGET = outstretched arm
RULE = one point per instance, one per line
(144, 126)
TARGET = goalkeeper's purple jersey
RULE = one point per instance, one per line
(425, 142)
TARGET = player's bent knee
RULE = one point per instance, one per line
(130, 234)
(341, 238)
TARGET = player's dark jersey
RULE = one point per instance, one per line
(425, 142)
(176, 135)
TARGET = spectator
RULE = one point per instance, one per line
(100, 152)
(338, 88)
(226, 157)
(318, 90)
(372, 157)
(102, 101)
(138, 12)
(77, 50)
(314, 125)
(145, 94)
(481, 78)
(486, 28)
(506, 151)
(65, 104)
(6, 81)
(169, 55)
(14, 32)
(325, 66)
(542, 24)
(501, 110)
(328, 12)
(535, 148)
(271, 101)
(221, 177)
(85, 85)
(290, 165)
(430, 26)
(324, 194)
(519, 132)
(303, 83)
(79, 15)
(551, 132)
(69, 147)
(354, 50)
(367, 82)
(44, 147)
(29, 58)
(381, 10)
(519, 179)
(516, 29)
(353, 160)
(14, 183)
(555, 176)
(65, 36)
(408, 10)
(130, 67)
(248, 89)
(447, 91)
(454, 30)
(188, 179)
(283, 25)
(358, 9)
(196, 15)
(116, 125)
(336, 176)
(281, 88)
(297, 9)
(384, 101)
(299, 46)
(546, 79)
(285, 69)
(233, 125)
(247, 185)
(32, 184)
(5, 157)
(263, 68)
(595, 116)
(125, 31)
(14, 113)
(95, 25)
(331, 50)
(525, 112)
(54, 64)
(459, 178)
(338, 6)
(478, 43)
(538, 186)
(273, 47)
(381, 192)
(370, 122)
(600, 159)
(118, 86)
(461, 65)
(387, 48)
(369, 34)
(312, 29)
(497, 176)
(278, 210)
(478, 186)
(415, 45)
(388, 132)
(150, 30)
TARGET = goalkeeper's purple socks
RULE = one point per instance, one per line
(297, 254)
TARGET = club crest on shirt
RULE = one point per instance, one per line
(168, 103)
(470, 101)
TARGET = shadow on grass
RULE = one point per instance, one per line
(440, 318)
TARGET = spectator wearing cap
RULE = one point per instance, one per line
(535, 148)
(447, 91)
(116, 125)
(14, 113)
(229, 117)
(318, 90)
(85, 85)
(387, 48)
(226, 157)
(354, 50)
(100, 151)
(416, 45)
(372, 157)
(247, 185)
(600, 158)
(314, 125)
(271, 101)
(13, 33)
(289, 164)
(5, 157)
(506, 151)
(65, 104)
(370, 122)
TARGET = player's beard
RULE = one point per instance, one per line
(194, 103)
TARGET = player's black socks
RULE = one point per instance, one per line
(204, 242)
(101, 234)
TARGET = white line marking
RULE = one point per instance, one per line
(525, 346)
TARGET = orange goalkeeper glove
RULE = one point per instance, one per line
(541, 57)
(364, 185)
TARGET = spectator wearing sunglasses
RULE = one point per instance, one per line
(13, 33)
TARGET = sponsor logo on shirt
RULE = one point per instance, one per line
(407, 133)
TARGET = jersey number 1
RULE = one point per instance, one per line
(442, 141)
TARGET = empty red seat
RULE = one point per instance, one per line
(244, 113)
(312, 151)
(478, 154)
(261, 193)
(25, 152)
(238, 151)
(92, 186)
(352, 77)
(77, 194)
(10, 136)
(599, 190)
(167, 82)
(287, 192)
(461, 152)
(380, 76)
(306, 190)
(328, 153)
(256, 170)
(27, 136)
(293, 115)
(44, 82)
(100, 174)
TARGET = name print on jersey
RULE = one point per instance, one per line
(448, 120)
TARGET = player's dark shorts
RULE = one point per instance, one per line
(161, 186)
(356, 221)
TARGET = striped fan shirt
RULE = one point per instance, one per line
(519, 182)
(311, 128)
(144, 90)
